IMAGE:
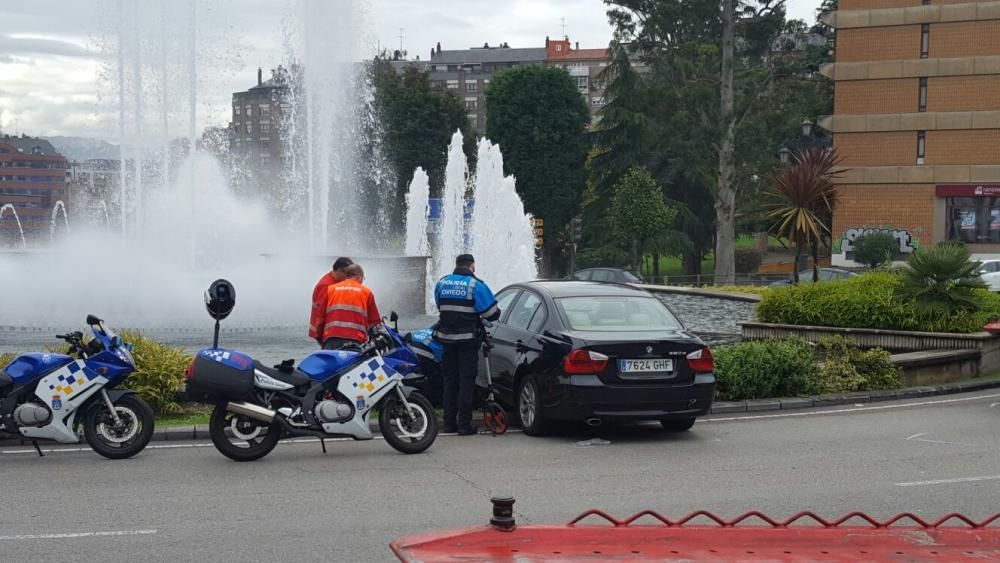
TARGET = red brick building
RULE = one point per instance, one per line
(32, 179)
(917, 120)
(583, 65)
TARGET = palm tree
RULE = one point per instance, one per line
(801, 202)
(942, 279)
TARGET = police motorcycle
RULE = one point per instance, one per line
(331, 393)
(51, 396)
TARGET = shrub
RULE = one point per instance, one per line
(869, 301)
(844, 367)
(875, 249)
(763, 368)
(6, 358)
(159, 373)
(942, 280)
(748, 260)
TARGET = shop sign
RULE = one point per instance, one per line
(967, 190)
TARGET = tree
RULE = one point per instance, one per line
(718, 77)
(942, 280)
(875, 248)
(538, 118)
(802, 201)
(418, 121)
(640, 212)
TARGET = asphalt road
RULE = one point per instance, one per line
(185, 502)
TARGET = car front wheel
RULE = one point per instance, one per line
(529, 407)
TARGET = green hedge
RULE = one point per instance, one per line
(786, 368)
(867, 301)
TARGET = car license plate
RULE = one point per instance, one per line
(645, 366)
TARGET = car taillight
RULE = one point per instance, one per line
(190, 370)
(584, 361)
(701, 361)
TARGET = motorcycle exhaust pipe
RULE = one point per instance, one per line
(252, 411)
(594, 422)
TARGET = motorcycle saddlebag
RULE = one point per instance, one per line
(221, 374)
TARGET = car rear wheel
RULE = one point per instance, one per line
(677, 424)
(529, 407)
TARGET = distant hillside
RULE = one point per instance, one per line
(83, 148)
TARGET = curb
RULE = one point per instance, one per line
(793, 403)
(200, 432)
(177, 434)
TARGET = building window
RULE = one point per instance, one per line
(265, 127)
(925, 40)
(599, 101)
(558, 48)
(473, 119)
(973, 219)
(452, 85)
(249, 110)
(236, 111)
(922, 103)
(471, 86)
(264, 109)
(471, 104)
(249, 128)
(582, 83)
(921, 146)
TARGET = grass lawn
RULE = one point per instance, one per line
(671, 265)
(191, 416)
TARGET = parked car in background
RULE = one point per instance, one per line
(825, 274)
(990, 270)
(595, 353)
(607, 275)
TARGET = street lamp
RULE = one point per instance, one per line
(785, 155)
(807, 128)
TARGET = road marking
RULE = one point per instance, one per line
(949, 481)
(917, 438)
(77, 535)
(862, 409)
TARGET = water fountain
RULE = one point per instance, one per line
(498, 232)
(55, 215)
(20, 230)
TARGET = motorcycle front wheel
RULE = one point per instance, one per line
(121, 440)
(410, 432)
(248, 439)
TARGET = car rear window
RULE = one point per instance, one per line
(616, 314)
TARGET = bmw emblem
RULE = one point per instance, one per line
(649, 349)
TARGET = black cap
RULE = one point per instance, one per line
(465, 259)
(342, 263)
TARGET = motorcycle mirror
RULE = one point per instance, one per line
(393, 316)
(220, 299)
(93, 320)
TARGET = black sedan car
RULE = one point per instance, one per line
(607, 275)
(584, 351)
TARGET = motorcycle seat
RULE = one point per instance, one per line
(295, 378)
(5, 380)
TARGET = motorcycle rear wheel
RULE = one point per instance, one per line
(263, 437)
(126, 439)
(410, 434)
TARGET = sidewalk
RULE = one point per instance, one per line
(200, 432)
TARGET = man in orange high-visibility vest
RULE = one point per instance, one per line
(334, 276)
(350, 311)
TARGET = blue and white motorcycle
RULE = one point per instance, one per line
(331, 393)
(50, 396)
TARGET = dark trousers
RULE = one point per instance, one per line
(461, 366)
(341, 344)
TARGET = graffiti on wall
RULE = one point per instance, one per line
(907, 243)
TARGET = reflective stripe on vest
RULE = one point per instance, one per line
(347, 311)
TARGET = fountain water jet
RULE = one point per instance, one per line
(416, 214)
(55, 215)
(20, 230)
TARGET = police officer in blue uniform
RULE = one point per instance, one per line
(463, 301)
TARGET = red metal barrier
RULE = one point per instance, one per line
(703, 536)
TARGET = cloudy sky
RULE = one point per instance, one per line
(54, 69)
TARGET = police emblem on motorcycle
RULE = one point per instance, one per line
(360, 403)
(56, 402)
